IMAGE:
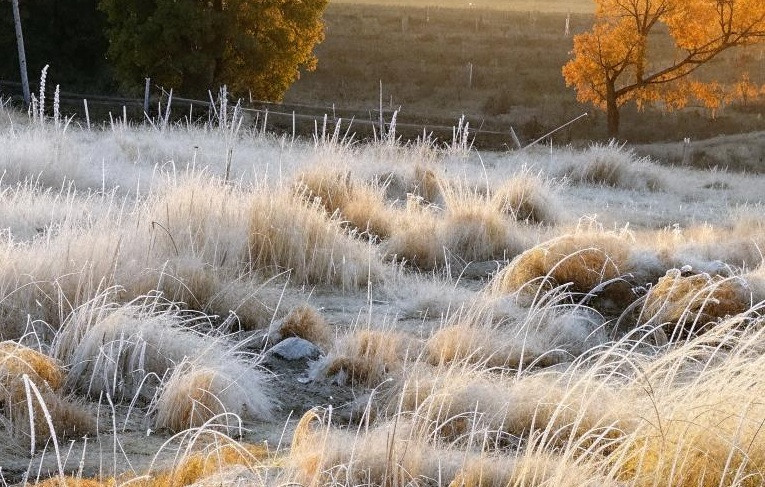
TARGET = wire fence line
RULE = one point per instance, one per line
(325, 114)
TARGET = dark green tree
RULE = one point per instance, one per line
(67, 34)
(256, 46)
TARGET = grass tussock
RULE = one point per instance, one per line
(691, 303)
(516, 342)
(126, 350)
(367, 357)
(528, 198)
(360, 204)
(613, 165)
(393, 453)
(199, 468)
(474, 230)
(469, 229)
(581, 261)
(196, 394)
(286, 236)
(468, 407)
(305, 322)
(415, 240)
(702, 420)
(17, 360)
(23, 409)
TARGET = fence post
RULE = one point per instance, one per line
(146, 97)
(22, 53)
(516, 141)
(686, 151)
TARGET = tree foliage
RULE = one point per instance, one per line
(66, 34)
(256, 46)
(616, 62)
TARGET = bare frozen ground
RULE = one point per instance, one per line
(129, 163)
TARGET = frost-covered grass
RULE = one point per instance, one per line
(528, 318)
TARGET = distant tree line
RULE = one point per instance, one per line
(253, 46)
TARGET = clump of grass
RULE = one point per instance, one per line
(200, 286)
(119, 350)
(613, 165)
(473, 229)
(582, 261)
(702, 419)
(366, 357)
(484, 337)
(692, 303)
(303, 321)
(427, 185)
(467, 407)
(17, 360)
(527, 198)
(288, 236)
(362, 205)
(23, 409)
(393, 453)
(470, 229)
(529, 469)
(196, 393)
(415, 240)
(199, 468)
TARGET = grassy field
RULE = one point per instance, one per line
(423, 57)
(573, 6)
(211, 305)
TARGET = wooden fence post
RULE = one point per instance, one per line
(22, 53)
(146, 97)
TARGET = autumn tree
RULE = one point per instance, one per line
(256, 46)
(616, 62)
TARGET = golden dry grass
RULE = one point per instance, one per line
(17, 360)
(286, 236)
(427, 185)
(694, 301)
(581, 260)
(415, 239)
(306, 322)
(361, 204)
(393, 454)
(480, 409)
(473, 228)
(527, 198)
(195, 394)
(198, 468)
(483, 345)
(44, 372)
(367, 357)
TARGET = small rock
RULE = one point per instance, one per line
(294, 348)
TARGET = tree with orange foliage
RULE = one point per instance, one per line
(613, 62)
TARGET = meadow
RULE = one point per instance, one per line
(214, 304)
(423, 56)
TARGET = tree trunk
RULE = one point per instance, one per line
(612, 110)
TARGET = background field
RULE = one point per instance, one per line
(422, 57)
(579, 6)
